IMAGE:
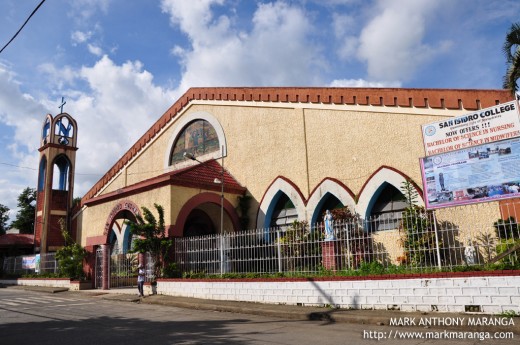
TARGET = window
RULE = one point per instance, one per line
(61, 173)
(388, 209)
(284, 213)
(41, 176)
(197, 138)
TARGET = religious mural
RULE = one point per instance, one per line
(198, 138)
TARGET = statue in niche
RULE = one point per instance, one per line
(329, 232)
(469, 253)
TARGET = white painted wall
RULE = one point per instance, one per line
(493, 295)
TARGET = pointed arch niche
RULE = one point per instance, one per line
(198, 133)
(329, 194)
(381, 198)
(282, 203)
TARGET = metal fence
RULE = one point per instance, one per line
(396, 241)
(30, 264)
(122, 270)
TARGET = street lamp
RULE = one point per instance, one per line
(221, 181)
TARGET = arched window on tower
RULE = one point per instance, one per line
(197, 138)
(46, 130)
(42, 173)
(61, 173)
(387, 210)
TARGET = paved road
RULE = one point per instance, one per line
(28, 317)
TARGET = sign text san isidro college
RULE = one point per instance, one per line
(481, 127)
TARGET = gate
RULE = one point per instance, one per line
(98, 283)
(122, 270)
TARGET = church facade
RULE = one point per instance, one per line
(291, 153)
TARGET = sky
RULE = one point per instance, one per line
(121, 64)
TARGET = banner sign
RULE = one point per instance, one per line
(476, 174)
(31, 262)
(484, 126)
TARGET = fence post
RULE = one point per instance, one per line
(279, 250)
(347, 239)
(437, 240)
(221, 254)
(105, 263)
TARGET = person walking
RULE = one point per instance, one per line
(140, 279)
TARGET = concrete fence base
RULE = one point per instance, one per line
(485, 294)
(65, 283)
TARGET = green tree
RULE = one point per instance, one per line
(4, 216)
(25, 217)
(511, 50)
(70, 257)
(151, 238)
(419, 235)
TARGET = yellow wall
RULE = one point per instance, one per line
(305, 144)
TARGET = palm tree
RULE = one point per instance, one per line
(511, 50)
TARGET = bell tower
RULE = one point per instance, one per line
(58, 146)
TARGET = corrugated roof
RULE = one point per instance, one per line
(19, 240)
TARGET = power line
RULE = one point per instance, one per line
(34, 169)
(17, 32)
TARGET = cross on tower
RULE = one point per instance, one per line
(62, 104)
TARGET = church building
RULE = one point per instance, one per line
(230, 159)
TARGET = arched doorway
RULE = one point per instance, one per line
(204, 246)
(120, 267)
(199, 223)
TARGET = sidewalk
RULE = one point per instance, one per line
(290, 312)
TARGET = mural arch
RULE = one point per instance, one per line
(329, 189)
(183, 124)
(279, 187)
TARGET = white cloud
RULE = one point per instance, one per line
(80, 36)
(120, 106)
(85, 9)
(392, 44)
(21, 113)
(121, 103)
(363, 83)
(95, 50)
(277, 50)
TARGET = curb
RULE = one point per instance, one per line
(36, 288)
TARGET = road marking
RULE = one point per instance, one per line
(34, 300)
(19, 300)
(9, 303)
(69, 305)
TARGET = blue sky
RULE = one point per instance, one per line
(120, 64)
